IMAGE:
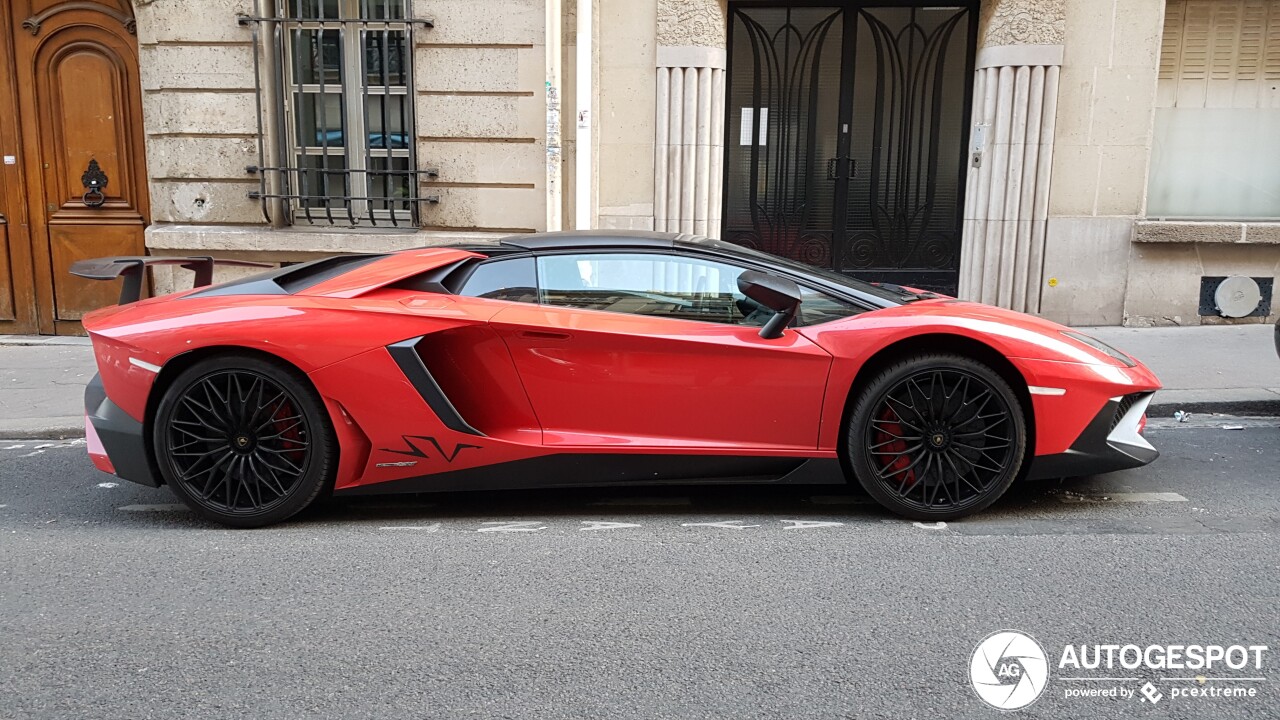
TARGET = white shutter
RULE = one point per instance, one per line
(1220, 53)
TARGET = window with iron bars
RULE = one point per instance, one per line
(345, 103)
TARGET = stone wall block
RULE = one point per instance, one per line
(204, 202)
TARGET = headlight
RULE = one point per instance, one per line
(1097, 344)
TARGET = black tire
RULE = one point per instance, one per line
(936, 437)
(244, 441)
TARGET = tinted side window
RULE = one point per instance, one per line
(667, 286)
(817, 308)
(512, 279)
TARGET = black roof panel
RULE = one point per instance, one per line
(592, 239)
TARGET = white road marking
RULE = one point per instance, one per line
(731, 524)
(108, 485)
(931, 526)
(160, 507)
(433, 527)
(800, 524)
(1122, 497)
(32, 454)
(606, 525)
(517, 526)
(45, 446)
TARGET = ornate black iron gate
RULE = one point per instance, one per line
(845, 136)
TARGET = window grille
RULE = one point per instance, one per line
(344, 102)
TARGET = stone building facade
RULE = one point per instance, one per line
(1087, 160)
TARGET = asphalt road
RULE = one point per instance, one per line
(707, 603)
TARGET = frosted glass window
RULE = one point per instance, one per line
(1217, 120)
(1215, 163)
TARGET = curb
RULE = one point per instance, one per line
(58, 429)
(1245, 408)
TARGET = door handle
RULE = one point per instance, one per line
(838, 167)
(94, 180)
(543, 335)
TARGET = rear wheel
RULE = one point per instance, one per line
(243, 441)
(936, 437)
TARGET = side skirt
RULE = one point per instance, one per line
(603, 470)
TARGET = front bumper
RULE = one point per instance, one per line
(1111, 441)
(120, 440)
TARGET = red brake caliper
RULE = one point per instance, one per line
(290, 432)
(888, 430)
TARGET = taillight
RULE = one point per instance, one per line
(1142, 423)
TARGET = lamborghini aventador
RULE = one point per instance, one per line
(589, 358)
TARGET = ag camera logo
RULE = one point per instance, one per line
(1008, 670)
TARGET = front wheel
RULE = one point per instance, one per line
(936, 437)
(243, 441)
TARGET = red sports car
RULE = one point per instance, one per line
(590, 358)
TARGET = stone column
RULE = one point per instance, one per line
(1015, 95)
(689, 147)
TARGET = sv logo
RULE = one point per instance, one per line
(416, 449)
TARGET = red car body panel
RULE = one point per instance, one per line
(536, 381)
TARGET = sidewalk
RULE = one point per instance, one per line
(1228, 369)
(42, 383)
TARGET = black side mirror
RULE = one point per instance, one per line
(780, 295)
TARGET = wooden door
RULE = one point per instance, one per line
(17, 288)
(80, 107)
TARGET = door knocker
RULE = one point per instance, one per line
(94, 180)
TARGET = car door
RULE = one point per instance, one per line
(652, 349)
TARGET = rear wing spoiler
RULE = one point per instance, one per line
(133, 268)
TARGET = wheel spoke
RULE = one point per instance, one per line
(274, 483)
(251, 485)
(220, 448)
(918, 406)
(894, 439)
(885, 476)
(984, 448)
(940, 480)
(919, 421)
(959, 475)
(898, 453)
(282, 431)
(198, 438)
(217, 404)
(226, 476)
(291, 469)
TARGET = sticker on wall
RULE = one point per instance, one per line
(744, 137)
(1053, 282)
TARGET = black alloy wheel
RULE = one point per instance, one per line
(937, 437)
(243, 441)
